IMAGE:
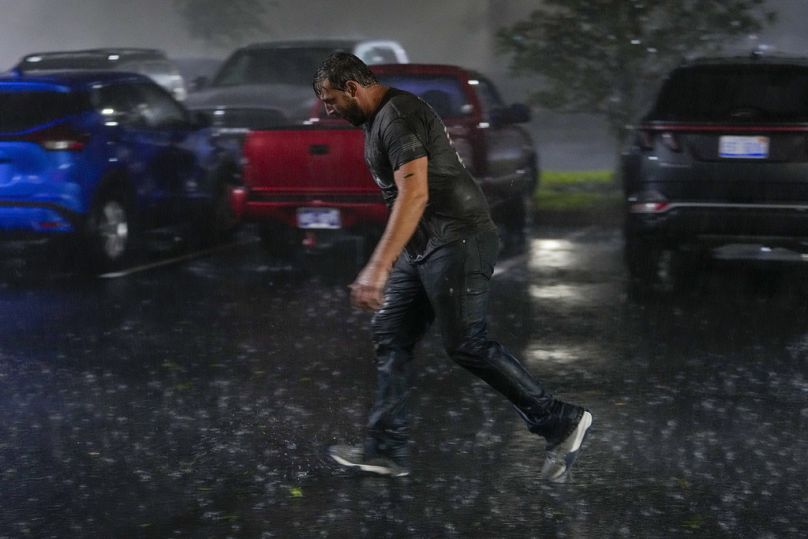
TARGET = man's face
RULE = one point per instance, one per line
(341, 103)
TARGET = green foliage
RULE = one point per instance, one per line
(603, 57)
(224, 22)
(561, 191)
(576, 178)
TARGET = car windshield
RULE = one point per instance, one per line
(284, 65)
(22, 110)
(735, 93)
(443, 93)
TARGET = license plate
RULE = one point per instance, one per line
(321, 218)
(732, 147)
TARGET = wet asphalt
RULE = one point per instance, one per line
(196, 399)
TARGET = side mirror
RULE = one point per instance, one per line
(517, 113)
(520, 113)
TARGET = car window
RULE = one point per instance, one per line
(162, 72)
(157, 108)
(142, 104)
(132, 66)
(286, 65)
(115, 101)
(379, 55)
(489, 96)
(753, 92)
(22, 109)
(151, 68)
(443, 93)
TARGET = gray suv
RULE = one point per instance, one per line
(720, 160)
(274, 78)
(152, 63)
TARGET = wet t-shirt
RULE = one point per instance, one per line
(403, 129)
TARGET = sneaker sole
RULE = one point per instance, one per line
(380, 470)
(581, 431)
(580, 436)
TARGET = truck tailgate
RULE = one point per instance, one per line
(307, 160)
(311, 177)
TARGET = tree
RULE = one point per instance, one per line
(603, 57)
(224, 22)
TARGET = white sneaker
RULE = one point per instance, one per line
(354, 457)
(561, 456)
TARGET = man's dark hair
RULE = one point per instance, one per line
(339, 68)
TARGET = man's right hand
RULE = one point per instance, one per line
(367, 290)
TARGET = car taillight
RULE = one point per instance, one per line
(648, 207)
(671, 141)
(59, 138)
(645, 139)
(648, 202)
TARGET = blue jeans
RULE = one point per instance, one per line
(450, 286)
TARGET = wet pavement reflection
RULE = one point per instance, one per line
(195, 400)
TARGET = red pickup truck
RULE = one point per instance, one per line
(308, 188)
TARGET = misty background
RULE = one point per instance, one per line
(453, 31)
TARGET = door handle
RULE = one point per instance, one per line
(319, 149)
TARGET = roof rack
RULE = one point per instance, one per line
(120, 51)
(757, 55)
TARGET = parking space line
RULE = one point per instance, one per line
(174, 260)
(501, 267)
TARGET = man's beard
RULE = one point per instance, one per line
(354, 114)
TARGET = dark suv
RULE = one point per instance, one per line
(720, 159)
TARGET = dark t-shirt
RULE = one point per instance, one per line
(403, 129)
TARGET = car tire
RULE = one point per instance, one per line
(109, 232)
(513, 222)
(643, 259)
(220, 222)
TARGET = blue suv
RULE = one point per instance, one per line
(100, 158)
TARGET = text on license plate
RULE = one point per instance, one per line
(743, 147)
(322, 218)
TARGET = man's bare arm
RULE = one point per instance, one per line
(413, 194)
(408, 207)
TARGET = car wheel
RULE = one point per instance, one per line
(513, 221)
(109, 232)
(221, 221)
(530, 202)
(643, 259)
